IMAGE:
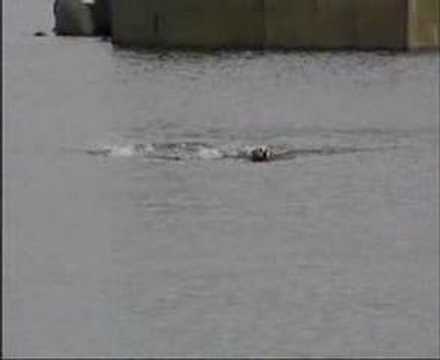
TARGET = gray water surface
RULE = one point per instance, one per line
(135, 225)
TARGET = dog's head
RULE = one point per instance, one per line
(261, 153)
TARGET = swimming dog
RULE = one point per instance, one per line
(261, 153)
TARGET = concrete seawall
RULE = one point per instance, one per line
(337, 24)
(424, 24)
(73, 18)
(312, 24)
(81, 18)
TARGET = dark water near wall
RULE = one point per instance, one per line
(134, 223)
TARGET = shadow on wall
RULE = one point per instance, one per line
(82, 17)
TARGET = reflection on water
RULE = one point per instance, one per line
(113, 249)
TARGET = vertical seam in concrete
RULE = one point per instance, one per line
(437, 26)
(264, 39)
(356, 25)
(413, 24)
(406, 25)
(156, 25)
(409, 23)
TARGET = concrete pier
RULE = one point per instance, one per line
(335, 24)
(424, 24)
(82, 18)
(73, 17)
(309, 24)
(101, 11)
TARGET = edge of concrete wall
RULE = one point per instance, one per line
(76, 18)
(424, 24)
(72, 17)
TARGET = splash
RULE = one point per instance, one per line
(181, 151)
(129, 150)
(210, 154)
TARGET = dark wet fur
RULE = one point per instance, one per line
(40, 34)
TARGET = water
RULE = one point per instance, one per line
(135, 224)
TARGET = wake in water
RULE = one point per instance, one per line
(180, 151)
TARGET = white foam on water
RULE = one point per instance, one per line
(210, 154)
(122, 151)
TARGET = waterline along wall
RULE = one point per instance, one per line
(312, 24)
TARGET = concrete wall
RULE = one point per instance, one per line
(381, 24)
(310, 23)
(78, 18)
(424, 24)
(362, 24)
(189, 23)
(73, 17)
(102, 17)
